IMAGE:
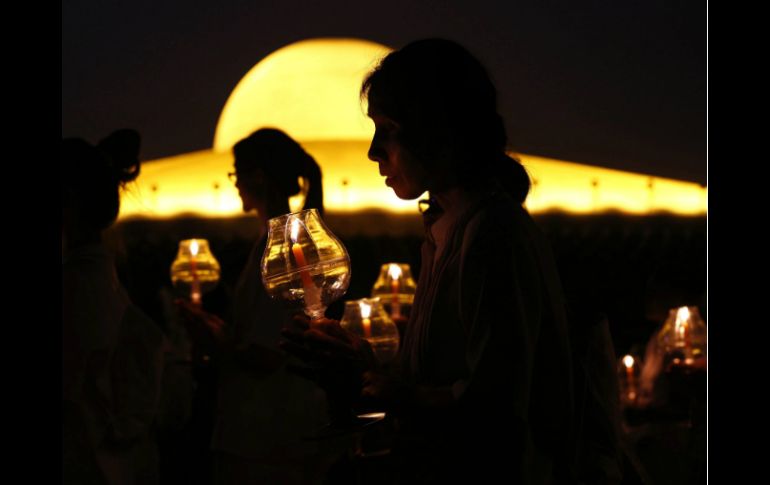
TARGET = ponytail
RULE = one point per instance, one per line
(283, 161)
(513, 177)
(314, 199)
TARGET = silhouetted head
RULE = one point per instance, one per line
(91, 178)
(435, 112)
(269, 163)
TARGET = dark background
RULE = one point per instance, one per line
(615, 84)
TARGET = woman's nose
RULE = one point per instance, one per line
(375, 153)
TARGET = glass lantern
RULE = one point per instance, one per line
(682, 339)
(395, 287)
(195, 269)
(368, 319)
(304, 263)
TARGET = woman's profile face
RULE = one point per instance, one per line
(250, 188)
(402, 172)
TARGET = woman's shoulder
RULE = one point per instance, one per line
(495, 216)
(500, 222)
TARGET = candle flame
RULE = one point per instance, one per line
(628, 361)
(394, 271)
(294, 229)
(194, 247)
(372, 416)
(682, 321)
(683, 314)
(366, 309)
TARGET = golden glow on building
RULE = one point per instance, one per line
(574, 187)
(310, 90)
(193, 183)
(197, 183)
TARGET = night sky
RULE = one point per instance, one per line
(620, 84)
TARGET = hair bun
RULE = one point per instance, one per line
(122, 147)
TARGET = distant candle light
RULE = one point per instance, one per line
(629, 362)
(394, 271)
(681, 326)
(366, 311)
(195, 288)
(682, 333)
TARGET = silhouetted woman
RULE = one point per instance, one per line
(263, 411)
(111, 351)
(483, 393)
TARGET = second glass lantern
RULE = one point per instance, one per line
(395, 288)
(304, 263)
(682, 339)
(195, 268)
(367, 319)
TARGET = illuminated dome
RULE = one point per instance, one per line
(309, 89)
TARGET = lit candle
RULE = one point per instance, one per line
(312, 295)
(682, 331)
(628, 362)
(395, 273)
(195, 287)
(366, 311)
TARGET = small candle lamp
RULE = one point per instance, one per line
(629, 369)
(304, 263)
(682, 338)
(195, 269)
(368, 319)
(395, 287)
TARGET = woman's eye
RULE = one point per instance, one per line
(387, 129)
(380, 133)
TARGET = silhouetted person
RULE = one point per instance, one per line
(111, 351)
(264, 413)
(484, 391)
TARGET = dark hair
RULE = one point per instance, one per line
(283, 161)
(92, 176)
(446, 106)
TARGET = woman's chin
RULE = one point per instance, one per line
(248, 204)
(402, 192)
(405, 195)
